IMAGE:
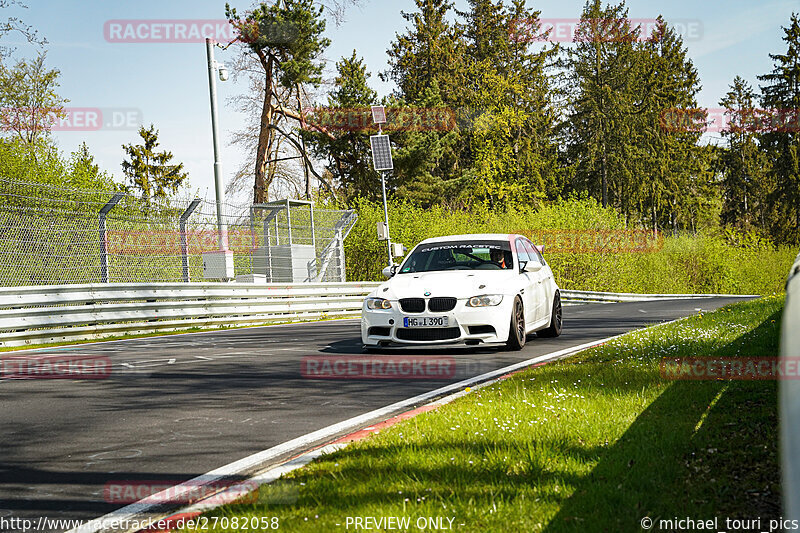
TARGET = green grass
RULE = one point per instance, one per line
(592, 443)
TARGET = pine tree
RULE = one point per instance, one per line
(781, 141)
(431, 50)
(674, 165)
(286, 38)
(485, 31)
(742, 163)
(605, 73)
(426, 170)
(149, 172)
(348, 152)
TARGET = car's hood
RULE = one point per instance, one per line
(456, 283)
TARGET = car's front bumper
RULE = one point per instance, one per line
(466, 325)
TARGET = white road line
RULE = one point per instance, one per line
(251, 463)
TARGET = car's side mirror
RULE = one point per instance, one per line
(389, 271)
(532, 266)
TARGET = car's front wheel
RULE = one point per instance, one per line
(556, 319)
(516, 330)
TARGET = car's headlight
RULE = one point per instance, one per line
(485, 300)
(378, 303)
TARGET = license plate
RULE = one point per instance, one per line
(425, 322)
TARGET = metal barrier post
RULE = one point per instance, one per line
(340, 249)
(184, 245)
(103, 237)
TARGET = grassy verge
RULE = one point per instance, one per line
(593, 443)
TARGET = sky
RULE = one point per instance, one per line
(166, 83)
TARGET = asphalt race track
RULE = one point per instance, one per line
(176, 407)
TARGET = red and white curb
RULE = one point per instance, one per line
(149, 510)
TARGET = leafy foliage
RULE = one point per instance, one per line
(149, 172)
(781, 145)
(29, 104)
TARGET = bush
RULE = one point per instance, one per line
(702, 263)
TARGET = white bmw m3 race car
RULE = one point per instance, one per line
(464, 289)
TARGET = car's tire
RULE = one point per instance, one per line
(516, 329)
(556, 319)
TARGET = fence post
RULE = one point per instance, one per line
(184, 245)
(340, 249)
(103, 237)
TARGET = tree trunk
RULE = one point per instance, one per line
(605, 177)
(261, 186)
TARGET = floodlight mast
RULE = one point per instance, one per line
(379, 118)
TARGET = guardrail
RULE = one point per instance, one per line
(790, 396)
(63, 313)
(59, 313)
(582, 297)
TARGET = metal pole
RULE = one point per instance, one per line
(103, 237)
(289, 221)
(340, 246)
(184, 245)
(386, 218)
(222, 237)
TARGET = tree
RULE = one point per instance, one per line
(425, 161)
(605, 74)
(348, 151)
(149, 171)
(675, 166)
(430, 51)
(512, 143)
(781, 140)
(286, 38)
(85, 174)
(29, 103)
(14, 24)
(742, 163)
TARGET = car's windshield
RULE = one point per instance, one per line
(459, 255)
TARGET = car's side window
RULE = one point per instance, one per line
(522, 254)
(532, 253)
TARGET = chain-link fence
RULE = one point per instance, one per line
(54, 235)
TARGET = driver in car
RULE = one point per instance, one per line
(497, 256)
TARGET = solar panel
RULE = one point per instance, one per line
(381, 152)
(378, 114)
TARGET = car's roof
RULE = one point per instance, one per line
(472, 237)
